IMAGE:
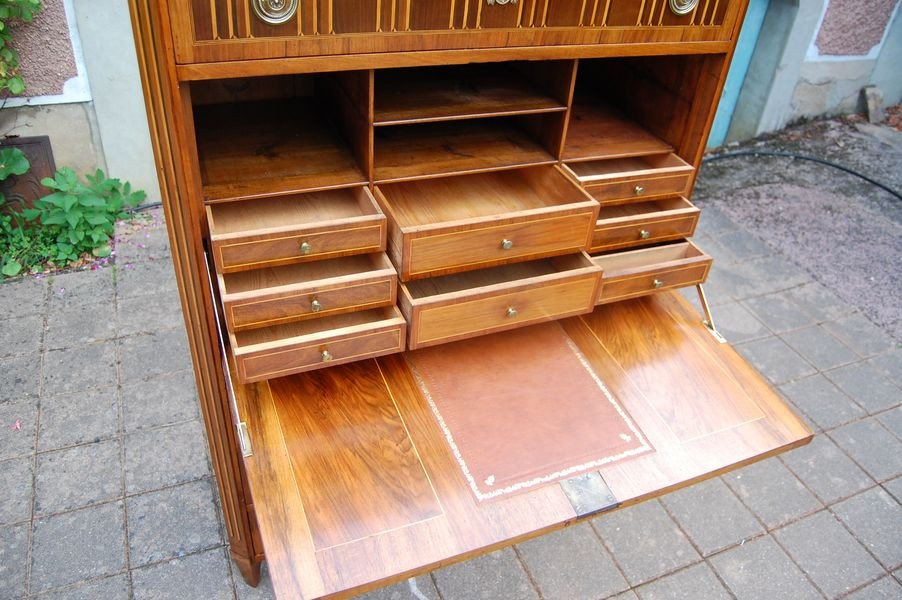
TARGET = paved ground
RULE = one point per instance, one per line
(108, 491)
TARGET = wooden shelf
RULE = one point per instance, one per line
(475, 91)
(354, 482)
(267, 148)
(597, 132)
(439, 149)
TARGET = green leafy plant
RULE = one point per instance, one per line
(23, 10)
(22, 247)
(79, 216)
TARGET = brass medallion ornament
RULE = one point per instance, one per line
(274, 12)
(683, 7)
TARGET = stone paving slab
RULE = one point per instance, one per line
(109, 490)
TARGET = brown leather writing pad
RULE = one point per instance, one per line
(523, 408)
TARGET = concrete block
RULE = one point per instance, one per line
(873, 103)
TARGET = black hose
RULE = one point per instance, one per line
(713, 157)
(143, 207)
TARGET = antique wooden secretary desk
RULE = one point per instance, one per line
(357, 190)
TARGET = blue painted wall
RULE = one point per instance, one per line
(748, 38)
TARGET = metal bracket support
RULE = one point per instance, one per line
(709, 320)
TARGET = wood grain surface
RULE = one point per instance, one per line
(702, 408)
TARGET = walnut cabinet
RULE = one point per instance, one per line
(346, 183)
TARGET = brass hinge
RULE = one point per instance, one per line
(709, 318)
(244, 440)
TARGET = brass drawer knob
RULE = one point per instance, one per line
(327, 356)
(639, 190)
(644, 234)
(658, 283)
(306, 248)
(507, 244)
(512, 312)
(315, 305)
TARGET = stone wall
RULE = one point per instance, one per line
(83, 90)
(843, 56)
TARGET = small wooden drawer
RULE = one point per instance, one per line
(452, 224)
(282, 230)
(316, 343)
(277, 295)
(455, 307)
(625, 225)
(648, 270)
(636, 178)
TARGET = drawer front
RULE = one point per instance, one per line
(271, 251)
(229, 30)
(314, 302)
(653, 280)
(467, 318)
(478, 248)
(297, 359)
(638, 189)
(643, 231)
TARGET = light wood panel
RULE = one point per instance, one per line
(474, 91)
(271, 147)
(438, 149)
(701, 407)
(598, 131)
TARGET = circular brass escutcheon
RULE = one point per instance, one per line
(683, 7)
(274, 12)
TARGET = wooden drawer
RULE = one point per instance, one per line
(455, 307)
(277, 295)
(648, 270)
(282, 230)
(635, 178)
(316, 343)
(452, 224)
(625, 225)
(230, 30)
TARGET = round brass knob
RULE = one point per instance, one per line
(644, 234)
(507, 244)
(639, 190)
(512, 312)
(315, 305)
(658, 283)
(327, 356)
(306, 248)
